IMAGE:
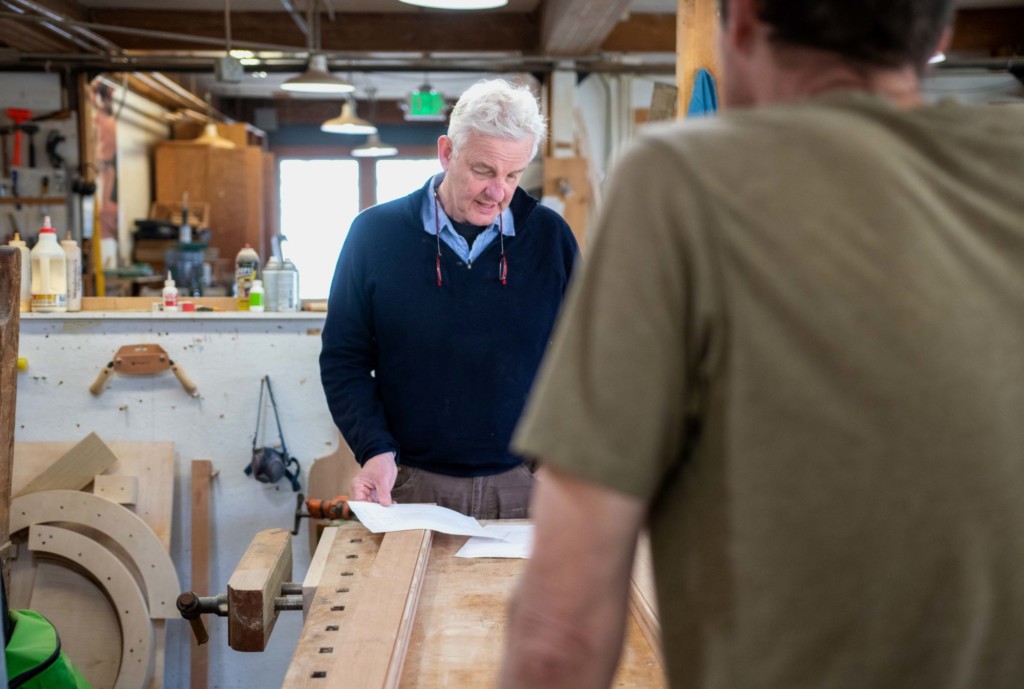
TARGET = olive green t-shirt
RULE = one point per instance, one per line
(799, 334)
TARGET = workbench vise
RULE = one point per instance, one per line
(257, 591)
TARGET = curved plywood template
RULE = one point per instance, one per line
(118, 523)
(111, 574)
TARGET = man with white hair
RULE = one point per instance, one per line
(440, 310)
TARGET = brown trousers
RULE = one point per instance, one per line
(500, 496)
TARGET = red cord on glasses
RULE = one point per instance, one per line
(502, 263)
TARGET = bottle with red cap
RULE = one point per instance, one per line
(49, 272)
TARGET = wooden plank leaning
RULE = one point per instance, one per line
(10, 293)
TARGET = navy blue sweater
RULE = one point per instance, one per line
(440, 374)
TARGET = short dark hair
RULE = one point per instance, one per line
(879, 33)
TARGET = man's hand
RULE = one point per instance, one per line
(376, 479)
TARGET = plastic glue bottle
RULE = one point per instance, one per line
(170, 294)
(26, 272)
(256, 295)
(49, 272)
(73, 255)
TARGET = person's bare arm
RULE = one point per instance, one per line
(376, 479)
(567, 618)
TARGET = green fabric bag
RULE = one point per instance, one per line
(34, 657)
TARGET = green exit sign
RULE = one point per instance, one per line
(426, 105)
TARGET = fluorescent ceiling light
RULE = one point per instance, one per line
(936, 58)
(347, 122)
(374, 148)
(316, 79)
(458, 4)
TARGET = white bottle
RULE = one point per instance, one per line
(73, 255)
(170, 294)
(256, 295)
(49, 273)
(271, 277)
(247, 268)
(26, 272)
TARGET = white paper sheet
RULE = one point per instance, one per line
(407, 517)
(503, 540)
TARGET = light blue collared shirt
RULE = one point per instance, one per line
(452, 238)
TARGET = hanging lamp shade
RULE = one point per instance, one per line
(348, 122)
(210, 137)
(374, 148)
(458, 4)
(317, 79)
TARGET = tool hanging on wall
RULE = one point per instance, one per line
(19, 116)
(144, 359)
(270, 464)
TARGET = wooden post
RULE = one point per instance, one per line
(202, 474)
(10, 295)
(697, 28)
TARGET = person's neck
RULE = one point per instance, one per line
(799, 73)
(442, 198)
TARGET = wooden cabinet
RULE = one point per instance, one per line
(231, 180)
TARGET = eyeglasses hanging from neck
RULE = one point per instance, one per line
(502, 262)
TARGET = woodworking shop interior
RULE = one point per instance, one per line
(161, 137)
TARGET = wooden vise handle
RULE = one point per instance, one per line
(97, 387)
(186, 382)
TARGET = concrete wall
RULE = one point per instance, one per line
(226, 355)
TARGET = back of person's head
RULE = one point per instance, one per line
(497, 108)
(878, 33)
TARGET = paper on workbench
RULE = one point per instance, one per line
(407, 517)
(503, 540)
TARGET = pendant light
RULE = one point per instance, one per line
(348, 122)
(374, 148)
(458, 4)
(211, 138)
(317, 78)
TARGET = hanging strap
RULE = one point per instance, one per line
(291, 465)
(265, 382)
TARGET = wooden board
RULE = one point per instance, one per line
(151, 462)
(124, 490)
(375, 646)
(75, 469)
(10, 292)
(458, 632)
(117, 523)
(89, 631)
(136, 666)
(254, 585)
(202, 475)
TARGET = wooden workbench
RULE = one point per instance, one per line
(457, 629)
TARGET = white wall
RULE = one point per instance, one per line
(41, 94)
(226, 357)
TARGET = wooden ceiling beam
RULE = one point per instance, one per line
(578, 27)
(31, 38)
(353, 32)
(643, 33)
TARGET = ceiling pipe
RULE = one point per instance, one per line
(102, 43)
(147, 33)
